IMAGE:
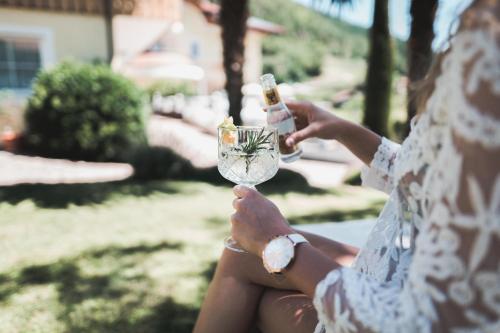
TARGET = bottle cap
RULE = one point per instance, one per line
(267, 81)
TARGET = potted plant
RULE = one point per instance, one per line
(10, 139)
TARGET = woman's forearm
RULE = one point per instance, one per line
(309, 267)
(359, 140)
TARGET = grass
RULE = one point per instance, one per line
(129, 256)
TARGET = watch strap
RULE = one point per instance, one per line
(297, 239)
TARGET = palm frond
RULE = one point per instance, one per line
(325, 6)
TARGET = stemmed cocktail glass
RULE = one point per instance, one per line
(248, 155)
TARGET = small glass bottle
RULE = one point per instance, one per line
(279, 117)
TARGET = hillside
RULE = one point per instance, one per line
(298, 53)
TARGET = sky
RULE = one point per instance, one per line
(361, 13)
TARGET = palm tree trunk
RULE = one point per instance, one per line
(379, 74)
(233, 19)
(419, 44)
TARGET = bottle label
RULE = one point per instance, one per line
(283, 122)
(272, 96)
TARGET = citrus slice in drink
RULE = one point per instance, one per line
(228, 131)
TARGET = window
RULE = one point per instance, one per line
(19, 62)
(195, 50)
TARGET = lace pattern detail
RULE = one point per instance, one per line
(468, 121)
(342, 323)
(375, 257)
(379, 174)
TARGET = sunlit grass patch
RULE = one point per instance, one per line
(136, 257)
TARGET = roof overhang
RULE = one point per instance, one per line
(165, 9)
(211, 11)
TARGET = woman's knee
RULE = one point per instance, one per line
(286, 311)
(248, 268)
(236, 264)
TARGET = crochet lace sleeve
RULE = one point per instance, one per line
(379, 175)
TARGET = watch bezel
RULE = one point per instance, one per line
(266, 261)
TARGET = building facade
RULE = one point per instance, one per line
(37, 34)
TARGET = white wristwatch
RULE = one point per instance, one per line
(280, 251)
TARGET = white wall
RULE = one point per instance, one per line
(208, 37)
(63, 35)
(132, 34)
(252, 70)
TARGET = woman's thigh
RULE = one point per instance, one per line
(285, 311)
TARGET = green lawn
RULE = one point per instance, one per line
(129, 256)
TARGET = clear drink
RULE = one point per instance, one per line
(248, 169)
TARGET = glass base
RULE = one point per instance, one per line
(232, 245)
(292, 157)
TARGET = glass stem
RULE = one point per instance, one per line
(249, 186)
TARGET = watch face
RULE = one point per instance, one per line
(278, 254)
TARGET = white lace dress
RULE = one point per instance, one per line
(432, 262)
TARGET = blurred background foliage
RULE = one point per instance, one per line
(169, 88)
(309, 35)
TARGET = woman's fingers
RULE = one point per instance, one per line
(301, 135)
(237, 204)
(298, 107)
(241, 191)
(234, 218)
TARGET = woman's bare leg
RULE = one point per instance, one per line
(286, 311)
(235, 292)
(233, 297)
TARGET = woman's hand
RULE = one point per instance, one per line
(312, 121)
(256, 220)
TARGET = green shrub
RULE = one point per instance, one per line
(168, 88)
(159, 163)
(81, 111)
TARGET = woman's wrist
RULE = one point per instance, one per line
(340, 128)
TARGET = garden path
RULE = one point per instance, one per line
(18, 169)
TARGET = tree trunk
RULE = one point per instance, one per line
(108, 18)
(419, 45)
(379, 74)
(233, 19)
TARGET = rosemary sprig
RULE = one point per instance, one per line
(255, 142)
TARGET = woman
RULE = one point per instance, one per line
(432, 262)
